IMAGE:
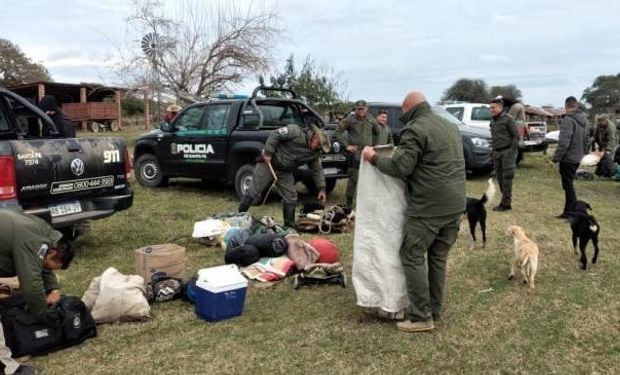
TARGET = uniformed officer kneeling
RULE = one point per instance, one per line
(31, 250)
(286, 149)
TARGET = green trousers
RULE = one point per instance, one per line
(505, 162)
(352, 185)
(423, 254)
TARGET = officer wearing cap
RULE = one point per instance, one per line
(286, 149)
(362, 130)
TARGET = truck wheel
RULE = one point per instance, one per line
(243, 179)
(114, 126)
(94, 127)
(330, 184)
(148, 171)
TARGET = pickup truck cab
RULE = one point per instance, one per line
(65, 181)
(220, 140)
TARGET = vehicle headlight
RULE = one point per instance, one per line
(336, 147)
(481, 142)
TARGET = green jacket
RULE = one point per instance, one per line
(362, 132)
(605, 136)
(384, 135)
(24, 240)
(504, 132)
(289, 149)
(430, 159)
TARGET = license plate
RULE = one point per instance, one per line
(65, 209)
(330, 170)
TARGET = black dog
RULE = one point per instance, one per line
(585, 228)
(477, 213)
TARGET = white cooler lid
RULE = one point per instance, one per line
(221, 278)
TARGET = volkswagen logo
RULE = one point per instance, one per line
(77, 167)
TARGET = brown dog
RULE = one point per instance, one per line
(525, 255)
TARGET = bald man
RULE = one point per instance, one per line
(430, 160)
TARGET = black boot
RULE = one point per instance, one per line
(288, 213)
(245, 204)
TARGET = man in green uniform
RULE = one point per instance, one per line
(362, 130)
(286, 149)
(30, 249)
(604, 137)
(505, 140)
(430, 159)
(384, 135)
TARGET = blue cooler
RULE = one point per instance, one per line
(220, 293)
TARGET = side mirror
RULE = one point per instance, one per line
(167, 127)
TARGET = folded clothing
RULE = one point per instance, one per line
(328, 251)
(242, 255)
(268, 244)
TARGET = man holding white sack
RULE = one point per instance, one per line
(430, 160)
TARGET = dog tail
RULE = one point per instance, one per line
(532, 265)
(489, 194)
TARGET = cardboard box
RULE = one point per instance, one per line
(220, 293)
(166, 260)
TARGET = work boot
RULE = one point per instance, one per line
(288, 213)
(409, 326)
(245, 204)
(502, 208)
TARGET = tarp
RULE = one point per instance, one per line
(378, 276)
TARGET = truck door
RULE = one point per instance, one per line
(215, 138)
(179, 151)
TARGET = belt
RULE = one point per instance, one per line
(502, 148)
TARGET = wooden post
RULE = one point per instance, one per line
(84, 124)
(147, 121)
(117, 98)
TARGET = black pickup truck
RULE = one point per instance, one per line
(220, 140)
(65, 181)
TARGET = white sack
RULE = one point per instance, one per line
(114, 297)
(378, 276)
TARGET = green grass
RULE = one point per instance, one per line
(570, 324)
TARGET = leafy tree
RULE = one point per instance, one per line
(507, 91)
(131, 106)
(604, 94)
(320, 85)
(16, 68)
(467, 90)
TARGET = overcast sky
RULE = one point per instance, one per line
(548, 49)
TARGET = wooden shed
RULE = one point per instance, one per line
(89, 105)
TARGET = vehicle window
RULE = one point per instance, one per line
(481, 114)
(4, 122)
(276, 115)
(456, 112)
(217, 116)
(190, 119)
(394, 118)
(446, 114)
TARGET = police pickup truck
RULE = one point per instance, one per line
(65, 181)
(220, 140)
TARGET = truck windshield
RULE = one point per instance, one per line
(481, 114)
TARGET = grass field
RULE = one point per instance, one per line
(570, 324)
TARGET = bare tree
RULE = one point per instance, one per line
(202, 47)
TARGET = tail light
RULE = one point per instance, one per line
(127, 166)
(8, 182)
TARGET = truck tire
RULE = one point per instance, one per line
(148, 171)
(243, 179)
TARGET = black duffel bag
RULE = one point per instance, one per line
(65, 324)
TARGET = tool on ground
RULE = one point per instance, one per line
(275, 180)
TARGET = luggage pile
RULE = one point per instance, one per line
(325, 219)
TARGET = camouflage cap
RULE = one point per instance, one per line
(323, 138)
(361, 103)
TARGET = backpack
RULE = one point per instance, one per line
(65, 324)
